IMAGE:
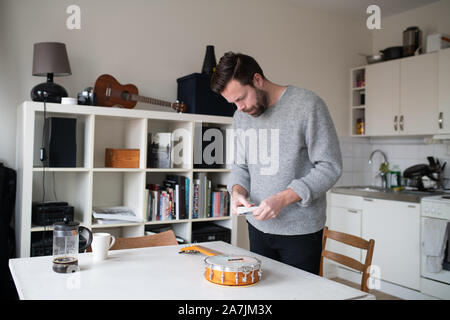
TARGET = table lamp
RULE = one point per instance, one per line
(49, 59)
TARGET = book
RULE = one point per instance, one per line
(159, 150)
(195, 200)
(181, 196)
(208, 198)
(146, 202)
(201, 185)
(224, 199)
(187, 192)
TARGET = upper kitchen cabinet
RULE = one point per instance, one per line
(402, 96)
(382, 98)
(419, 95)
(444, 91)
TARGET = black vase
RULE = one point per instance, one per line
(209, 63)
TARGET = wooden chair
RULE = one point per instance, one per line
(347, 261)
(165, 238)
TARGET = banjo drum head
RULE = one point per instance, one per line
(232, 270)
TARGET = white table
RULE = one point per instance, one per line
(163, 273)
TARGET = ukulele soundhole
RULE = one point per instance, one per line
(125, 95)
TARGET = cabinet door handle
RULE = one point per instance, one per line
(411, 206)
(441, 120)
(395, 123)
(401, 122)
(367, 199)
(352, 211)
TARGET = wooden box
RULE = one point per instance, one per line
(121, 158)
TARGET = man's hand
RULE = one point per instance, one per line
(272, 206)
(239, 197)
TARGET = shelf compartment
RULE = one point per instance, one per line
(358, 98)
(358, 114)
(211, 145)
(118, 133)
(181, 136)
(70, 187)
(358, 78)
(111, 189)
(216, 178)
(155, 179)
(84, 129)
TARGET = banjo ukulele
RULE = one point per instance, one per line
(109, 93)
(228, 270)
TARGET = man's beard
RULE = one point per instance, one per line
(262, 102)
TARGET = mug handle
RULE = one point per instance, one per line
(112, 242)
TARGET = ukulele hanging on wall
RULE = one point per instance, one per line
(109, 92)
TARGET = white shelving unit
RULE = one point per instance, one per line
(90, 183)
(357, 106)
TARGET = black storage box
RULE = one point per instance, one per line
(47, 213)
(204, 232)
(194, 90)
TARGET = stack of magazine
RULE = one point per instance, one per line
(112, 215)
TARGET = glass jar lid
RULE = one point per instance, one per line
(66, 225)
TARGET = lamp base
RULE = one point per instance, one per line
(54, 92)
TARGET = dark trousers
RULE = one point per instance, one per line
(300, 251)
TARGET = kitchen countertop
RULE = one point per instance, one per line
(378, 193)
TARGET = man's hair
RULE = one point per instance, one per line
(235, 66)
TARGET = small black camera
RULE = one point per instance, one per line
(86, 97)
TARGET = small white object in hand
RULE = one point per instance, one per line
(246, 210)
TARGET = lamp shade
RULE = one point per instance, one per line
(50, 57)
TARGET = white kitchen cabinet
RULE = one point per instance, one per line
(395, 227)
(383, 98)
(444, 90)
(419, 94)
(402, 96)
(345, 216)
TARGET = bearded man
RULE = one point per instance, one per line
(288, 222)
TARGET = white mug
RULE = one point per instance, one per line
(101, 243)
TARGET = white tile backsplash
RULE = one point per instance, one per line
(404, 152)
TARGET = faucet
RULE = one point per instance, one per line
(381, 173)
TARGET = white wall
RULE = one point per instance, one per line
(151, 43)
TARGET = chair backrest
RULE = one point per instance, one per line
(353, 241)
(165, 238)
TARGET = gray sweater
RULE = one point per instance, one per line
(293, 144)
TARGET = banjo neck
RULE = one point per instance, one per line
(197, 248)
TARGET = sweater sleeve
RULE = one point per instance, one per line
(239, 169)
(324, 153)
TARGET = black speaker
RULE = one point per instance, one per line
(60, 142)
(195, 91)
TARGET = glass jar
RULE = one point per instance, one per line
(66, 245)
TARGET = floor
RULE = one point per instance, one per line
(378, 294)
